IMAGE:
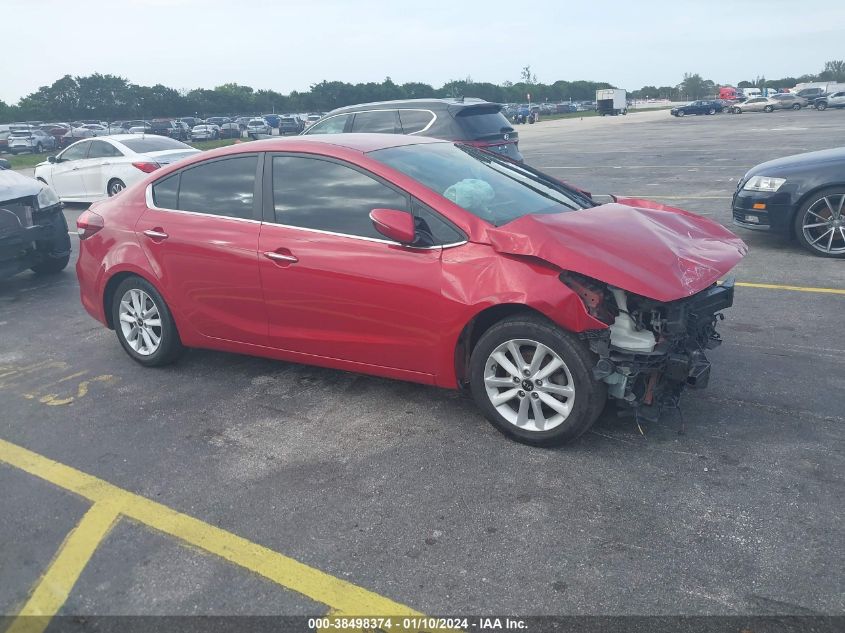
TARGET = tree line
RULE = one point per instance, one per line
(109, 97)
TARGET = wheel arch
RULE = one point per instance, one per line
(475, 329)
(806, 196)
(111, 287)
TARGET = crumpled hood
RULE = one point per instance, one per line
(14, 185)
(657, 252)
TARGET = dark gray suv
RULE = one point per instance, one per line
(471, 121)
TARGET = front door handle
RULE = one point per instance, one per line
(281, 257)
(156, 234)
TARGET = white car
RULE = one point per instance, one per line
(96, 168)
(258, 126)
(206, 132)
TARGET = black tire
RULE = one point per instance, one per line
(821, 105)
(681, 113)
(51, 266)
(798, 222)
(768, 109)
(170, 345)
(796, 106)
(115, 186)
(60, 244)
(590, 395)
(711, 111)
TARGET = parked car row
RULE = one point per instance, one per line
(37, 137)
(785, 101)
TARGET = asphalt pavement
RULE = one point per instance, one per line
(405, 491)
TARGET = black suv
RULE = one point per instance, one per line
(472, 121)
(169, 128)
(811, 95)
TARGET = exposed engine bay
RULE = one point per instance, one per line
(651, 351)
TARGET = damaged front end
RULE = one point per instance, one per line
(651, 350)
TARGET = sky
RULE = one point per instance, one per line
(287, 46)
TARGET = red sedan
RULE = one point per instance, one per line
(416, 259)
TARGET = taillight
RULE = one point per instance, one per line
(87, 224)
(146, 167)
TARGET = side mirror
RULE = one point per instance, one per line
(395, 225)
(52, 159)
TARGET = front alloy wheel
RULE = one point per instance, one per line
(820, 223)
(532, 380)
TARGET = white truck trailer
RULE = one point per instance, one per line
(611, 101)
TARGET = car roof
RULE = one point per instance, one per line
(431, 104)
(357, 142)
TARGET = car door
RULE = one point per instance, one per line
(336, 288)
(200, 234)
(65, 177)
(95, 169)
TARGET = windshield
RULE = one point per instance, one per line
(493, 189)
(153, 144)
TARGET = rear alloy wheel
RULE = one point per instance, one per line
(711, 111)
(820, 223)
(768, 109)
(144, 325)
(796, 106)
(115, 187)
(821, 105)
(532, 380)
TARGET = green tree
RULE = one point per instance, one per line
(527, 77)
(834, 70)
(695, 87)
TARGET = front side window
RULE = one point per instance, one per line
(332, 125)
(317, 194)
(219, 187)
(493, 189)
(379, 121)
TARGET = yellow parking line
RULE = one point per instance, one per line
(319, 586)
(830, 291)
(53, 588)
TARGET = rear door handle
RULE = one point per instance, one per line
(156, 234)
(281, 257)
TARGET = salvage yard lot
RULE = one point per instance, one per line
(406, 491)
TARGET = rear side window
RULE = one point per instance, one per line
(382, 121)
(318, 194)
(76, 152)
(414, 120)
(332, 125)
(221, 187)
(101, 149)
(480, 123)
(166, 192)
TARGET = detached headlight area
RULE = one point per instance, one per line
(764, 183)
(47, 198)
